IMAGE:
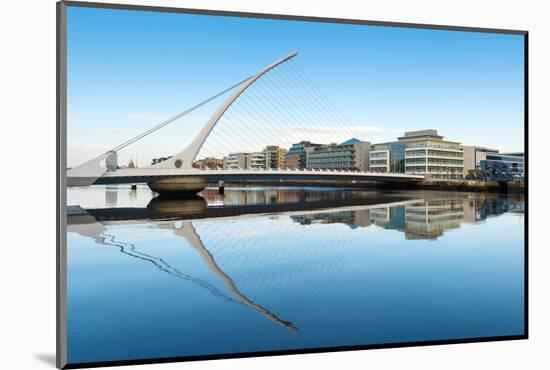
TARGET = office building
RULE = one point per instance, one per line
(428, 154)
(480, 162)
(421, 152)
(349, 155)
(503, 166)
(296, 155)
(473, 155)
(388, 157)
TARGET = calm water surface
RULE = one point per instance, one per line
(287, 268)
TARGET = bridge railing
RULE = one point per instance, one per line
(306, 170)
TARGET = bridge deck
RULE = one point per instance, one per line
(139, 175)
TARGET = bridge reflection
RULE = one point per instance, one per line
(273, 250)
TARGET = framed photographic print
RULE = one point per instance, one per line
(235, 184)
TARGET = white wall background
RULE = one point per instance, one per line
(27, 206)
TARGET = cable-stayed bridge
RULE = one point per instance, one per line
(277, 106)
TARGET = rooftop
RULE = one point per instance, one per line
(424, 135)
(428, 133)
(481, 148)
(513, 154)
(351, 141)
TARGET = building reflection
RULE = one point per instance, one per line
(354, 218)
(111, 197)
(264, 276)
(427, 219)
(418, 214)
(278, 195)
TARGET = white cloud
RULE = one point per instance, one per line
(78, 153)
(380, 129)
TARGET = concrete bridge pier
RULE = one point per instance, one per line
(178, 186)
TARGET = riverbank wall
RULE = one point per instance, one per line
(471, 186)
(428, 184)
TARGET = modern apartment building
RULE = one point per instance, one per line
(246, 161)
(233, 161)
(421, 152)
(349, 155)
(274, 157)
(255, 161)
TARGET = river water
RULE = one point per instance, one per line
(274, 268)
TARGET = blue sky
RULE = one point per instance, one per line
(129, 70)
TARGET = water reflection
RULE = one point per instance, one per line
(111, 197)
(420, 215)
(426, 219)
(274, 251)
(176, 207)
(188, 232)
(278, 195)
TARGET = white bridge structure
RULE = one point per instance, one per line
(177, 173)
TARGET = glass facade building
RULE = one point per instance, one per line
(388, 157)
(421, 152)
(297, 154)
(473, 155)
(503, 166)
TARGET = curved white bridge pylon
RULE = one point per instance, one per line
(88, 172)
(187, 156)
